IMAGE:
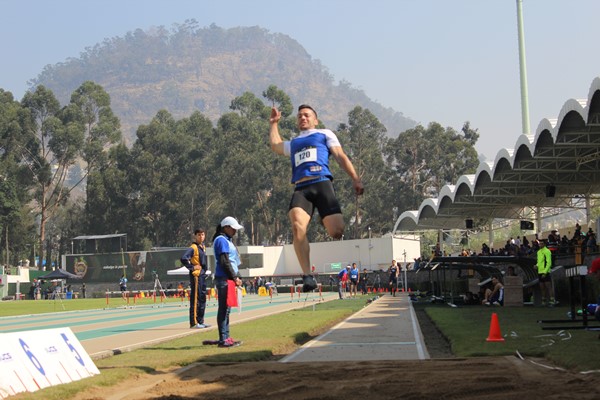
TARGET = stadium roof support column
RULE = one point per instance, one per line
(523, 70)
(588, 210)
(538, 220)
(491, 233)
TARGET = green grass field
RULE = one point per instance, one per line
(467, 328)
(272, 337)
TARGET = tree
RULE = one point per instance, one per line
(81, 132)
(109, 192)
(363, 139)
(15, 181)
(50, 164)
(276, 95)
(425, 159)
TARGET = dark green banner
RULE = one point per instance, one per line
(137, 266)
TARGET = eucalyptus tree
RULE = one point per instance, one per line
(69, 139)
(425, 159)
(276, 95)
(363, 139)
(156, 177)
(202, 202)
(242, 167)
(16, 220)
(57, 147)
(156, 191)
(254, 181)
(109, 192)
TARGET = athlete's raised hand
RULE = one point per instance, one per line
(275, 115)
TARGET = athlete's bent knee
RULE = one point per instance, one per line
(337, 233)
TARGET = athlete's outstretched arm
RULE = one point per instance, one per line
(344, 162)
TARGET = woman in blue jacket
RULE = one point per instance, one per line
(226, 273)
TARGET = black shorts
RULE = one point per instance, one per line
(320, 195)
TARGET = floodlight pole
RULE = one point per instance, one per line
(405, 268)
(523, 70)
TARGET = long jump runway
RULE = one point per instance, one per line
(105, 332)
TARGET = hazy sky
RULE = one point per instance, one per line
(448, 61)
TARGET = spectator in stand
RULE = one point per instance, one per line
(577, 233)
(485, 250)
(564, 246)
(417, 264)
(591, 241)
(553, 239)
(507, 248)
(518, 242)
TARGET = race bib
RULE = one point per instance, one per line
(305, 155)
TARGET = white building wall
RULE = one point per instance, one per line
(373, 254)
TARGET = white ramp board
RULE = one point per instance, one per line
(34, 360)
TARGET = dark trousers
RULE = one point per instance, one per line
(224, 309)
(197, 299)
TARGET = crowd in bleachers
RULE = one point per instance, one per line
(579, 243)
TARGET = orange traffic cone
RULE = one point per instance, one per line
(495, 335)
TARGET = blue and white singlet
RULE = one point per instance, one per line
(309, 153)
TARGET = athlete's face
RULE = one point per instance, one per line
(307, 119)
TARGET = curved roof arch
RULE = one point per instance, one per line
(563, 153)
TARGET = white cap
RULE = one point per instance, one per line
(232, 222)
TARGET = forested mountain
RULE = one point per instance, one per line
(187, 68)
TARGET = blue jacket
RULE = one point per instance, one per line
(227, 258)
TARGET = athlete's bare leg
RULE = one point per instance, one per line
(300, 219)
(335, 225)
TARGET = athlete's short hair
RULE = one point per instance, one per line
(302, 106)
